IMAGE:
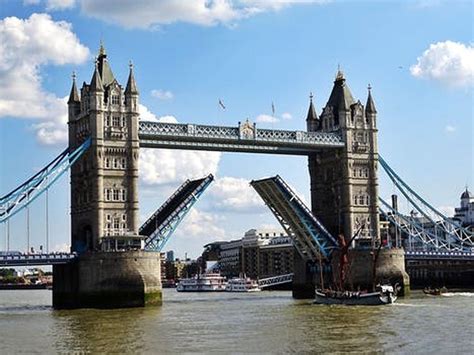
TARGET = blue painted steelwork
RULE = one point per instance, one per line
(447, 234)
(20, 259)
(310, 237)
(275, 280)
(418, 231)
(433, 255)
(161, 225)
(244, 138)
(30, 190)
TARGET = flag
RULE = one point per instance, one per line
(273, 109)
(221, 104)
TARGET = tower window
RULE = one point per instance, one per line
(115, 163)
(107, 121)
(107, 194)
(115, 195)
(116, 121)
(124, 197)
(115, 100)
(107, 162)
(124, 163)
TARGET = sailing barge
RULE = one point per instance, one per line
(385, 294)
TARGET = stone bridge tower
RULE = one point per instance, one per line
(104, 182)
(110, 270)
(344, 185)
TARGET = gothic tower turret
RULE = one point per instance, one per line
(104, 182)
(312, 120)
(344, 184)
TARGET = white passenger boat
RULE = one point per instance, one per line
(209, 282)
(238, 284)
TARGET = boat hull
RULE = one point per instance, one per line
(367, 299)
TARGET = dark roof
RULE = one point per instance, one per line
(341, 96)
(96, 82)
(370, 106)
(131, 84)
(312, 115)
(467, 194)
(74, 95)
(104, 68)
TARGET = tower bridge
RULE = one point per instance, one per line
(117, 263)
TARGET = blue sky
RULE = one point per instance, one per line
(417, 55)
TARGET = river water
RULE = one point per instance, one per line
(265, 322)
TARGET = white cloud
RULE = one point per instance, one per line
(64, 247)
(60, 4)
(148, 14)
(167, 166)
(448, 62)
(450, 129)
(267, 119)
(25, 46)
(286, 116)
(162, 94)
(200, 224)
(234, 194)
(31, 2)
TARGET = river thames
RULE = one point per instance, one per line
(265, 322)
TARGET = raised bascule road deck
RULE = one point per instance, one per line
(244, 138)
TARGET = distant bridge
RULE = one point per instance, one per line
(19, 259)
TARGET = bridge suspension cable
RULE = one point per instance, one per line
(20, 197)
(439, 231)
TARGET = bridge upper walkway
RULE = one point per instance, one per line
(244, 138)
(310, 237)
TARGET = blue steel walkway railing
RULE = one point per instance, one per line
(310, 237)
(30, 190)
(244, 138)
(161, 225)
(440, 232)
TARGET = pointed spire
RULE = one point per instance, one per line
(105, 71)
(339, 74)
(370, 105)
(131, 84)
(312, 115)
(74, 95)
(96, 82)
(102, 49)
(341, 97)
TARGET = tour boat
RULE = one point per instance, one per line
(238, 284)
(209, 282)
(385, 294)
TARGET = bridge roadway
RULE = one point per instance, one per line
(246, 137)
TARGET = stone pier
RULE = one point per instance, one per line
(108, 280)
